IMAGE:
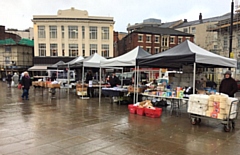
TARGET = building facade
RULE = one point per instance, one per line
(71, 33)
(27, 34)
(153, 39)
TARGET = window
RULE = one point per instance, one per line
(63, 50)
(53, 50)
(215, 46)
(225, 42)
(172, 40)
(41, 31)
(72, 32)
(148, 49)
(193, 29)
(185, 30)
(83, 32)
(93, 32)
(83, 50)
(140, 37)
(105, 50)
(42, 50)
(53, 31)
(179, 40)
(156, 50)
(7, 60)
(156, 39)
(105, 33)
(148, 39)
(93, 48)
(73, 50)
(166, 42)
(62, 28)
(8, 49)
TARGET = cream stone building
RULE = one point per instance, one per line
(71, 33)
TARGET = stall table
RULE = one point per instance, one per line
(114, 92)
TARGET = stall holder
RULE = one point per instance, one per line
(114, 92)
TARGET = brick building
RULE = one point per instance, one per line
(153, 39)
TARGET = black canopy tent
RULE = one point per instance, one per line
(186, 53)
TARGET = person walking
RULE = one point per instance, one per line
(228, 85)
(15, 79)
(9, 79)
(89, 77)
(26, 82)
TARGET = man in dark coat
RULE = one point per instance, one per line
(26, 82)
(9, 79)
(228, 85)
(89, 77)
(114, 81)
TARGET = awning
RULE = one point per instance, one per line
(38, 68)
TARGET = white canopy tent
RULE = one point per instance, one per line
(125, 60)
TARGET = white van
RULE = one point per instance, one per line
(62, 75)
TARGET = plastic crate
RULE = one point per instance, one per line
(132, 108)
(140, 111)
(153, 113)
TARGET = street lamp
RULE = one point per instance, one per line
(230, 32)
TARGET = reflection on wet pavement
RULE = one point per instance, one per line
(67, 125)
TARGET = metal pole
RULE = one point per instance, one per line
(194, 76)
(122, 79)
(100, 83)
(137, 81)
(68, 78)
(231, 31)
(82, 80)
(134, 95)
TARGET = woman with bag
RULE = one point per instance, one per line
(26, 82)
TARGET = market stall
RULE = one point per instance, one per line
(178, 57)
(125, 60)
(92, 61)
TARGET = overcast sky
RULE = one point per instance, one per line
(18, 13)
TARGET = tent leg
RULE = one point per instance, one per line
(100, 82)
(134, 95)
(194, 77)
(137, 82)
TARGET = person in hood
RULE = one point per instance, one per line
(228, 85)
(26, 84)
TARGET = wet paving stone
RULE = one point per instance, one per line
(67, 125)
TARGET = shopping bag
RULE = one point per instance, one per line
(19, 86)
(12, 83)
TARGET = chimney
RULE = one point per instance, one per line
(185, 20)
(200, 16)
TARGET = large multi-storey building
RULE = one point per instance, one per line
(153, 39)
(16, 54)
(69, 34)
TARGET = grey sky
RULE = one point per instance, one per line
(18, 13)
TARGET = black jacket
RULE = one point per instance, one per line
(114, 81)
(228, 86)
(89, 77)
(26, 82)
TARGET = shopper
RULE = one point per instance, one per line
(228, 85)
(15, 79)
(26, 83)
(114, 81)
(89, 77)
(9, 79)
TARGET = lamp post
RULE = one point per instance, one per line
(230, 32)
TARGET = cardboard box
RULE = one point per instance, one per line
(53, 85)
(137, 89)
(81, 89)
